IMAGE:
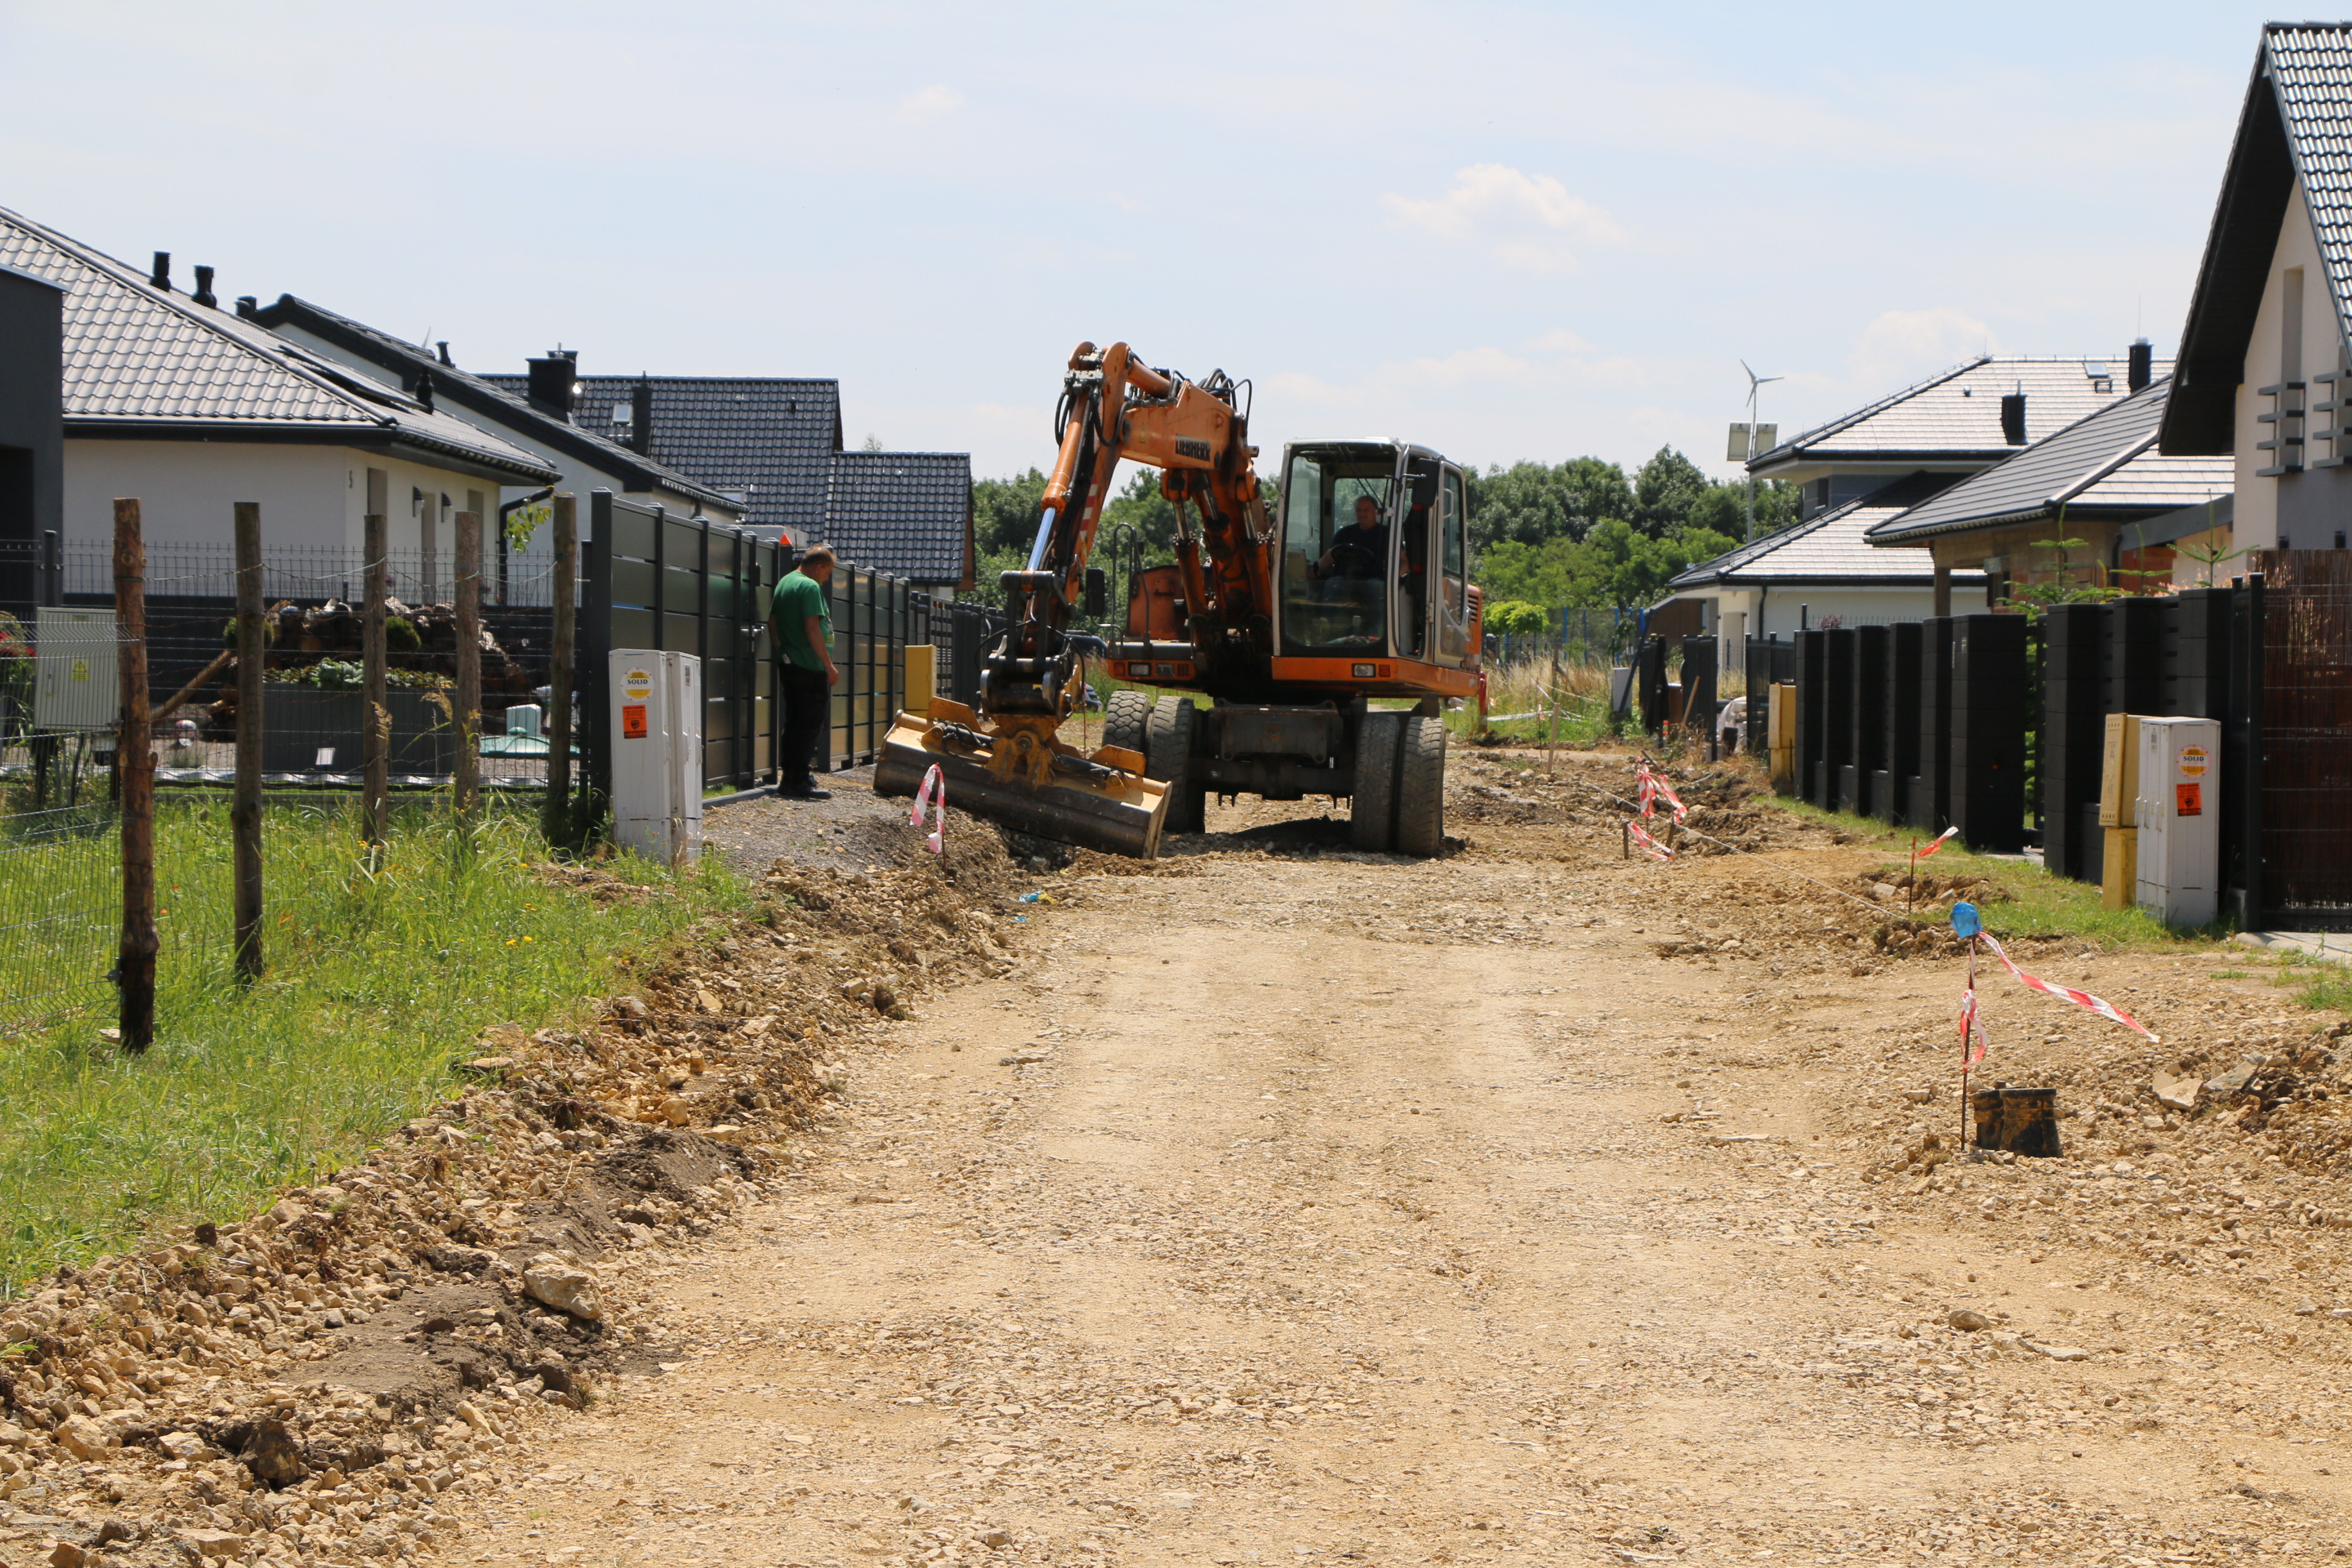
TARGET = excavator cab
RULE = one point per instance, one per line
(1374, 554)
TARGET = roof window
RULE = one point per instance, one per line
(2102, 378)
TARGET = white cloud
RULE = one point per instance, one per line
(1900, 347)
(1528, 221)
(929, 104)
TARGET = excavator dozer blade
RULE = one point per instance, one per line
(1091, 804)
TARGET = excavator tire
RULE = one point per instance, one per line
(1127, 719)
(1167, 754)
(1372, 821)
(1420, 788)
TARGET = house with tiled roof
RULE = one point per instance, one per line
(767, 442)
(170, 398)
(1956, 422)
(775, 443)
(1822, 570)
(2266, 373)
(585, 460)
(2099, 483)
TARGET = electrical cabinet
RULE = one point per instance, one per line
(2179, 809)
(77, 683)
(656, 733)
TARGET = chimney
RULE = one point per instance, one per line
(424, 389)
(161, 276)
(640, 418)
(444, 346)
(204, 295)
(2143, 365)
(2012, 418)
(247, 306)
(552, 380)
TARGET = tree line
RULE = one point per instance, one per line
(1543, 536)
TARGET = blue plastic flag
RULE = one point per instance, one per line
(1965, 921)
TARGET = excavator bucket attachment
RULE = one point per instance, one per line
(1015, 772)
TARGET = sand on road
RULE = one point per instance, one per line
(1292, 1208)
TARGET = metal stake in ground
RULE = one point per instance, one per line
(466, 787)
(376, 697)
(245, 808)
(135, 757)
(1965, 922)
(557, 822)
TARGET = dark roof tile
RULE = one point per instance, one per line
(764, 438)
(908, 514)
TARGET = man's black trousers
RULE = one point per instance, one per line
(807, 704)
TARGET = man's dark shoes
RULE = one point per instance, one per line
(808, 789)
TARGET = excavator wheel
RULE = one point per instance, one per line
(1127, 721)
(1371, 824)
(1420, 787)
(1167, 754)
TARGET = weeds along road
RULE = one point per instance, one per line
(1328, 1209)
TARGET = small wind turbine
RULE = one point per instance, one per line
(1755, 381)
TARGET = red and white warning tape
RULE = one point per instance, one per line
(2084, 999)
(923, 800)
(1973, 1039)
(1649, 845)
(1651, 787)
(1941, 839)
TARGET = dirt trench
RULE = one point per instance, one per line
(1287, 1203)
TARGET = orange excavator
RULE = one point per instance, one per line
(1361, 595)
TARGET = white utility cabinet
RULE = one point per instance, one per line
(2179, 804)
(77, 683)
(657, 754)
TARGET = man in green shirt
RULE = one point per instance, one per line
(799, 630)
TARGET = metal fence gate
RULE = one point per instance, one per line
(2304, 761)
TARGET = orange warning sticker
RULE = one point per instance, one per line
(2189, 800)
(632, 725)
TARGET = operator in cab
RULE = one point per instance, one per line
(1362, 549)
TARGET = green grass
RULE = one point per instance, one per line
(2038, 904)
(380, 978)
(2318, 983)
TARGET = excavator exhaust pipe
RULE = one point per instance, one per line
(1013, 778)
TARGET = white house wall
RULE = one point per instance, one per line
(1782, 608)
(2292, 511)
(313, 497)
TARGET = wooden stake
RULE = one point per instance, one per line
(179, 698)
(1551, 746)
(245, 810)
(558, 808)
(135, 760)
(375, 683)
(466, 786)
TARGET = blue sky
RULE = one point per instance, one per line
(1509, 231)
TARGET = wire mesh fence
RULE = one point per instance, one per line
(60, 911)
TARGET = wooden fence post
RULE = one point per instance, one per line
(135, 758)
(556, 813)
(245, 810)
(376, 696)
(466, 786)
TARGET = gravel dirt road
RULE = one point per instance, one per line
(1287, 1205)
